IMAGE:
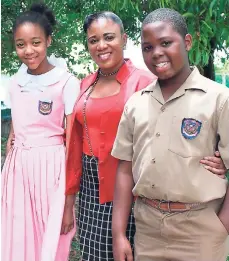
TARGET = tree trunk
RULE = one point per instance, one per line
(209, 70)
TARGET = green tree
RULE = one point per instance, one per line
(65, 35)
(207, 20)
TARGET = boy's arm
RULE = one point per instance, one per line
(123, 199)
(224, 212)
(223, 145)
(223, 131)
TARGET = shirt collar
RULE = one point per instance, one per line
(155, 91)
(192, 82)
(151, 87)
(46, 79)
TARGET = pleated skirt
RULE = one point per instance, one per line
(33, 187)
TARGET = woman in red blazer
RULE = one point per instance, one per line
(90, 167)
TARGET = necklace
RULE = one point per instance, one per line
(91, 89)
(84, 115)
(107, 74)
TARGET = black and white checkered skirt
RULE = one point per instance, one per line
(94, 218)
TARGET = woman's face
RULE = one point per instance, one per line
(105, 44)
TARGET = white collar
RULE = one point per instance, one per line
(46, 79)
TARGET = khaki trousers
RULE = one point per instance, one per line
(195, 235)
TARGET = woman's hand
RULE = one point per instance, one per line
(215, 165)
(67, 221)
(68, 216)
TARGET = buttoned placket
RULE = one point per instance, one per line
(160, 136)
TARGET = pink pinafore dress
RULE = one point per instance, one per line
(33, 176)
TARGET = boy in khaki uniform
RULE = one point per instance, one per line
(182, 210)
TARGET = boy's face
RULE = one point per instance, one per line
(165, 50)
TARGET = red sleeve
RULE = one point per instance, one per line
(75, 148)
(74, 154)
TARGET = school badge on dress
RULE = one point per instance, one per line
(45, 107)
(190, 128)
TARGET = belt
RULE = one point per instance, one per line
(169, 206)
(51, 141)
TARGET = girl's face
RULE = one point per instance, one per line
(105, 44)
(165, 50)
(31, 46)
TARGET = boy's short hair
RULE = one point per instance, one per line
(170, 16)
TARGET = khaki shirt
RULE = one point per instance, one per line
(166, 140)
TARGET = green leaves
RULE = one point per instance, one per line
(212, 4)
(188, 15)
(207, 21)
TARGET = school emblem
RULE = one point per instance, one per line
(45, 107)
(190, 128)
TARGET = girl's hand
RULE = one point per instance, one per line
(215, 165)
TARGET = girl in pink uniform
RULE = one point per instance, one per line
(37, 222)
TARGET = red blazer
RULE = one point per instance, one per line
(132, 80)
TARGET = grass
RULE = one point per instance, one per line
(75, 250)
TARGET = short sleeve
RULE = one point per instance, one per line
(7, 99)
(223, 131)
(71, 92)
(123, 145)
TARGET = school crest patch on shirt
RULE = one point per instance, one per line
(45, 107)
(190, 128)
